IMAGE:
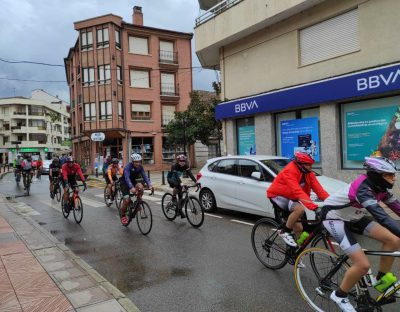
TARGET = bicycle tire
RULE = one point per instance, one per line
(117, 197)
(320, 241)
(78, 210)
(316, 263)
(144, 218)
(65, 213)
(105, 197)
(194, 213)
(268, 245)
(168, 207)
(58, 192)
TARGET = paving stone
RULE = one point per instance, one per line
(78, 283)
(128, 305)
(57, 266)
(115, 292)
(10, 248)
(98, 278)
(107, 306)
(67, 274)
(89, 296)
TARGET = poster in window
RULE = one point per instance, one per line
(374, 131)
(246, 140)
(300, 135)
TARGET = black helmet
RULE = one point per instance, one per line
(115, 160)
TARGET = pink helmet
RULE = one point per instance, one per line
(379, 164)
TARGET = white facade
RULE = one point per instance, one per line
(41, 124)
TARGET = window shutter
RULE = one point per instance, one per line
(331, 38)
(140, 79)
(168, 114)
(138, 45)
(145, 108)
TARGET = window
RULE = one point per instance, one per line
(370, 128)
(120, 110)
(104, 74)
(86, 40)
(90, 111)
(169, 151)
(105, 110)
(144, 147)
(168, 114)
(227, 166)
(118, 39)
(246, 136)
(88, 77)
(167, 84)
(247, 167)
(167, 52)
(138, 45)
(119, 74)
(6, 139)
(102, 37)
(36, 111)
(331, 38)
(141, 111)
(140, 78)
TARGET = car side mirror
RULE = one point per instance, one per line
(256, 175)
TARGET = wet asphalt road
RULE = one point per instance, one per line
(176, 267)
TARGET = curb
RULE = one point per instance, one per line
(4, 173)
(70, 256)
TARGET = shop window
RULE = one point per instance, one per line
(170, 151)
(370, 128)
(144, 147)
(246, 136)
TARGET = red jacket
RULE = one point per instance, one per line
(74, 170)
(287, 184)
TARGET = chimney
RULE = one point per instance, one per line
(137, 16)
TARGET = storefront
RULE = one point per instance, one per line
(339, 120)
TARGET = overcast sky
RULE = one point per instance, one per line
(43, 31)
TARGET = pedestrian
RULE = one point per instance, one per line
(106, 162)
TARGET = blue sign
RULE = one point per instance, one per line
(363, 83)
(300, 135)
(247, 140)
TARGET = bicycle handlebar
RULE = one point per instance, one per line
(197, 186)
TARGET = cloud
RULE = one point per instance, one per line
(43, 31)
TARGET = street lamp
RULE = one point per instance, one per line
(184, 136)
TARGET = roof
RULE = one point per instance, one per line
(254, 157)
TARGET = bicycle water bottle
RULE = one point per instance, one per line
(385, 282)
(370, 278)
(302, 238)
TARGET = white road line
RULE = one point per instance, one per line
(99, 195)
(242, 222)
(214, 216)
(25, 209)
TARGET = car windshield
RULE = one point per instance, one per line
(276, 165)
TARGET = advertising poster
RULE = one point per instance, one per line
(374, 131)
(300, 135)
(247, 140)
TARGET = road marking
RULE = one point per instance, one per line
(242, 222)
(25, 209)
(99, 195)
(54, 205)
(214, 216)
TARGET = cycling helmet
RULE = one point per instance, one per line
(303, 158)
(181, 157)
(56, 160)
(115, 160)
(70, 159)
(136, 157)
(379, 165)
(18, 155)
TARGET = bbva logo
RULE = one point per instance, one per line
(376, 81)
(245, 106)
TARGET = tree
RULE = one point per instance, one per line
(54, 116)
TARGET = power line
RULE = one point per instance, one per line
(29, 62)
(31, 80)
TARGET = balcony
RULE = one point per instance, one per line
(19, 129)
(36, 113)
(20, 112)
(232, 20)
(169, 89)
(213, 11)
(168, 57)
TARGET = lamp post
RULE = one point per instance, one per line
(184, 136)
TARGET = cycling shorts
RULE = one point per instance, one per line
(114, 177)
(125, 188)
(285, 203)
(71, 181)
(343, 231)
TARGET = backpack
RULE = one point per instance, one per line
(28, 165)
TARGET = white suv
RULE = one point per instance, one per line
(241, 182)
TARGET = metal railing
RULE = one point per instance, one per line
(168, 57)
(169, 89)
(215, 10)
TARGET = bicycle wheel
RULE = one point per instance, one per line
(168, 206)
(316, 263)
(321, 241)
(117, 197)
(268, 246)
(108, 204)
(194, 212)
(78, 210)
(144, 218)
(57, 192)
(65, 213)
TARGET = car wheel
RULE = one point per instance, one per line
(207, 200)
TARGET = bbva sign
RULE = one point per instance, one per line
(245, 106)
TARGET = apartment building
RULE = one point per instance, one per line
(312, 75)
(126, 80)
(41, 123)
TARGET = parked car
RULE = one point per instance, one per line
(240, 183)
(46, 166)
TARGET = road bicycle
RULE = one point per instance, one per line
(17, 176)
(39, 173)
(321, 273)
(55, 188)
(139, 209)
(74, 203)
(28, 181)
(273, 252)
(193, 210)
(116, 194)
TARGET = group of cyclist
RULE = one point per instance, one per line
(355, 209)
(26, 166)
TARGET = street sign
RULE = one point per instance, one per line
(15, 142)
(98, 136)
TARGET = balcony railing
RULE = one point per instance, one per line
(20, 113)
(169, 89)
(215, 10)
(168, 57)
(36, 113)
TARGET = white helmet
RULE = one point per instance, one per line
(136, 157)
(379, 164)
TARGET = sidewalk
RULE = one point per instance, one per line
(38, 273)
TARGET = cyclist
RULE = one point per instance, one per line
(111, 176)
(106, 163)
(39, 167)
(27, 169)
(17, 164)
(54, 174)
(174, 178)
(291, 191)
(345, 212)
(129, 184)
(69, 171)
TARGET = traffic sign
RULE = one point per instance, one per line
(98, 136)
(15, 142)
